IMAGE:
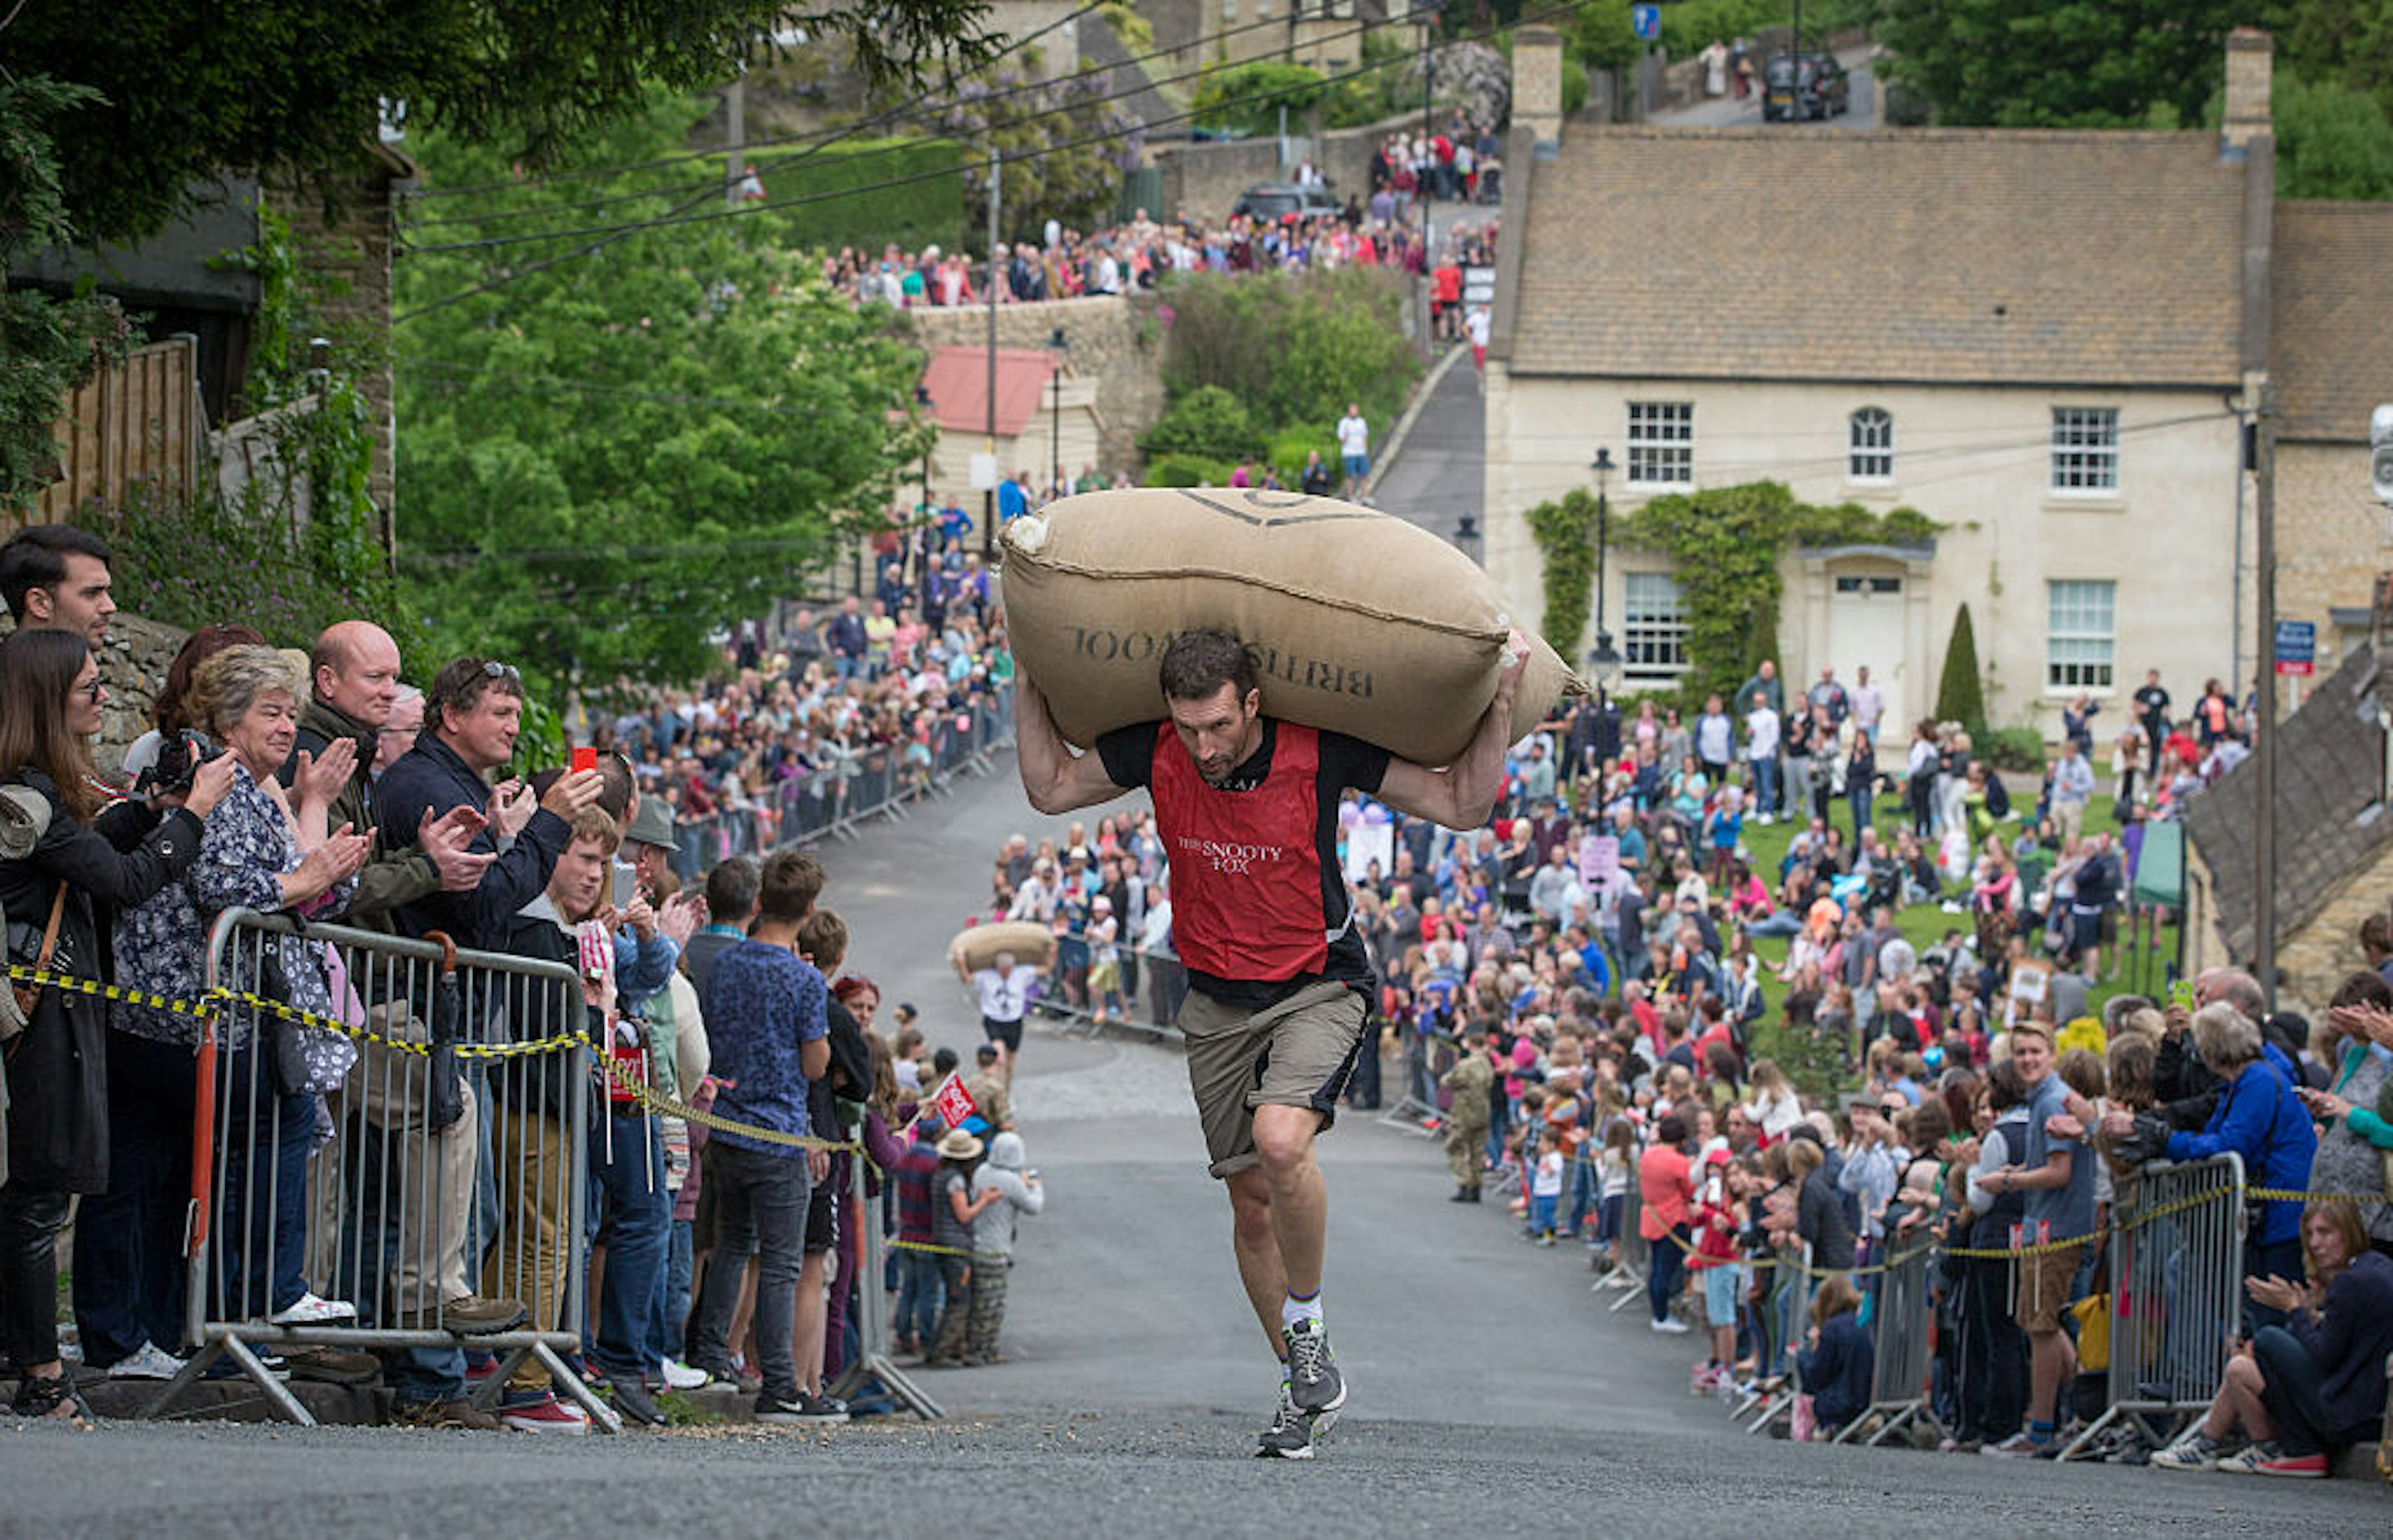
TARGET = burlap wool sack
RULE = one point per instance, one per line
(1032, 944)
(1360, 622)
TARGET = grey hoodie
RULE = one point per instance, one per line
(993, 1232)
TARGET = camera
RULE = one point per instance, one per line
(179, 756)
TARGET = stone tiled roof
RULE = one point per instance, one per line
(1935, 255)
(2332, 350)
(2332, 821)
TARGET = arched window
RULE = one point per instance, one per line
(1870, 442)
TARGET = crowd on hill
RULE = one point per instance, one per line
(317, 785)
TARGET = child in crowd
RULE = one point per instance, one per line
(1837, 1366)
(1720, 1217)
(1546, 1184)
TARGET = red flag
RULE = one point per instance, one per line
(953, 1102)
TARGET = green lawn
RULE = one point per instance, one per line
(1925, 924)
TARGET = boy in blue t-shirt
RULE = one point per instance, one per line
(1724, 826)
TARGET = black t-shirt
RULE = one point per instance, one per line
(2153, 703)
(1129, 756)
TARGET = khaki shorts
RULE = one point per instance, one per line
(1297, 1053)
(2046, 1287)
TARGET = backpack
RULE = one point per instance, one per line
(1998, 797)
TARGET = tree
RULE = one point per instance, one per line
(2060, 63)
(607, 458)
(1960, 692)
(192, 91)
(52, 345)
(2333, 141)
(1063, 145)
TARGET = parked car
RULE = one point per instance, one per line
(1278, 200)
(1798, 87)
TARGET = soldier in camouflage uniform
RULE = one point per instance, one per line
(1466, 1117)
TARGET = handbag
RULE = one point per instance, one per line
(27, 996)
(280, 1039)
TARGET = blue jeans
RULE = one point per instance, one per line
(761, 1205)
(1662, 1277)
(129, 1240)
(922, 1293)
(1765, 784)
(261, 1224)
(669, 1317)
(627, 1178)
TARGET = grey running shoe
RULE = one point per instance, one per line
(1313, 1382)
(1291, 1432)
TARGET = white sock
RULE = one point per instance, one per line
(1292, 1309)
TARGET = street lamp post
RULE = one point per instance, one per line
(923, 404)
(1055, 413)
(1604, 660)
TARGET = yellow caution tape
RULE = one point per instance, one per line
(217, 1002)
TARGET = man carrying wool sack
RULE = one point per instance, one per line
(1278, 977)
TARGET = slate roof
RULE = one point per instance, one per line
(2332, 820)
(1909, 255)
(2334, 318)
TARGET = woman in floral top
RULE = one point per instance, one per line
(268, 849)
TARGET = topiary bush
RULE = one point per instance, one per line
(1960, 694)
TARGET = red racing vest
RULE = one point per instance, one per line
(1245, 868)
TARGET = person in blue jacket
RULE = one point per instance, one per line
(2260, 1118)
(1837, 1367)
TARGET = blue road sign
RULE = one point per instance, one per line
(1646, 21)
(2297, 647)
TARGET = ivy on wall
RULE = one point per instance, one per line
(1566, 535)
(1727, 544)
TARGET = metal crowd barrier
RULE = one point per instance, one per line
(832, 801)
(434, 1149)
(1790, 1298)
(1636, 1251)
(1901, 1337)
(1161, 981)
(2177, 1294)
(875, 1370)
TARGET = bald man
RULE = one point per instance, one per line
(356, 676)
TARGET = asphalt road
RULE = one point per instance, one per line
(1729, 112)
(1491, 1391)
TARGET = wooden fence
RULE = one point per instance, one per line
(141, 420)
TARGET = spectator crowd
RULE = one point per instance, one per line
(315, 784)
(1577, 996)
(1639, 1039)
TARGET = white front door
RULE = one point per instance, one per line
(1865, 630)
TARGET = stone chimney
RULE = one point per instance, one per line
(2249, 60)
(1537, 83)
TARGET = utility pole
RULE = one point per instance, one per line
(734, 139)
(988, 443)
(2263, 725)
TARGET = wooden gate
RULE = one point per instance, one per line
(141, 420)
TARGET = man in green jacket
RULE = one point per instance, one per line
(1466, 1115)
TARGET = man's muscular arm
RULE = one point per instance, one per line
(1055, 780)
(1464, 794)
